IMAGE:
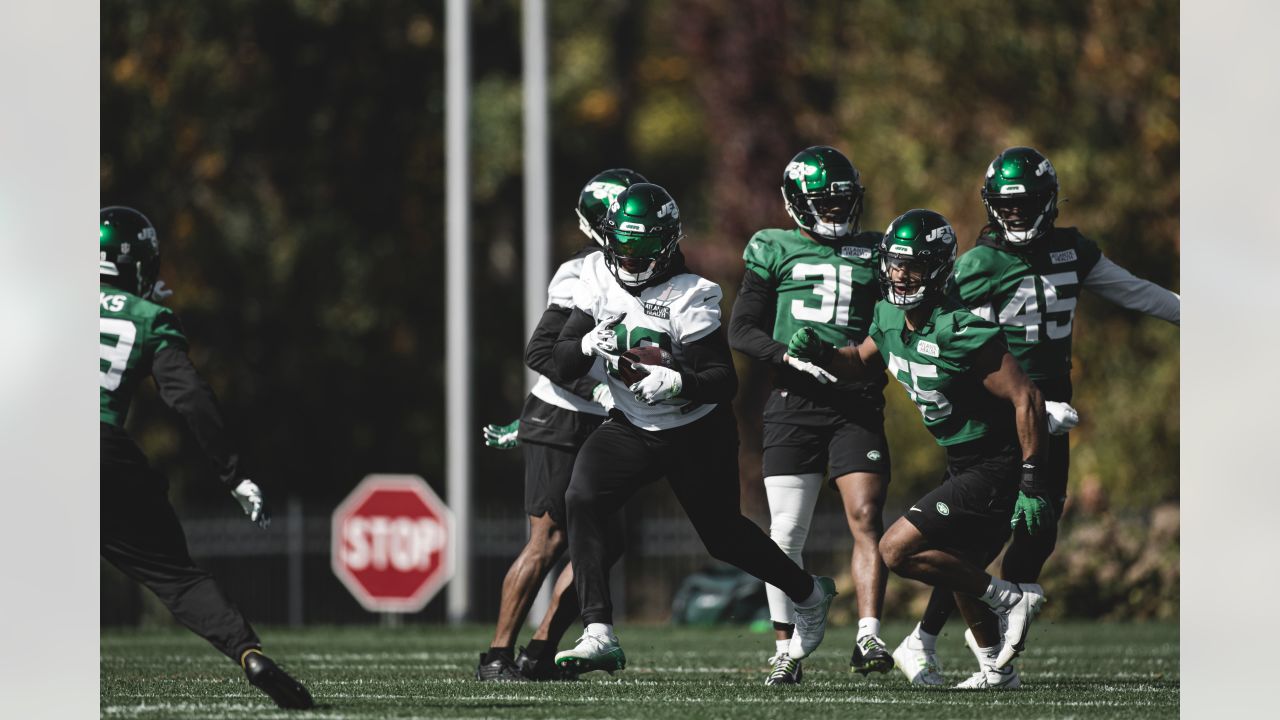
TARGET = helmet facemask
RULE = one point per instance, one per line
(635, 258)
(829, 214)
(1023, 217)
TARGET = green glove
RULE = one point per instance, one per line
(1034, 511)
(503, 437)
(806, 345)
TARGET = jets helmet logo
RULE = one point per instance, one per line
(797, 170)
(669, 208)
(944, 233)
(604, 190)
(1045, 167)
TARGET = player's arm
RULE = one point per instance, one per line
(751, 322)
(1002, 377)
(1121, 287)
(539, 354)
(852, 362)
(708, 375)
(582, 339)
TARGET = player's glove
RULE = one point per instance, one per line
(1062, 417)
(602, 340)
(1031, 508)
(503, 437)
(806, 345)
(603, 396)
(160, 291)
(660, 383)
(809, 368)
(249, 495)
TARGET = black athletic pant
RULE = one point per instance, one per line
(700, 461)
(1027, 553)
(142, 537)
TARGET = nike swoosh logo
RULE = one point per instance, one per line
(913, 507)
(538, 420)
(962, 331)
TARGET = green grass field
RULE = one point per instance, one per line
(1070, 670)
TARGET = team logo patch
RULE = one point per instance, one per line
(631, 226)
(659, 311)
(1064, 256)
(873, 455)
(1011, 189)
(942, 509)
(924, 347)
(853, 251)
(901, 250)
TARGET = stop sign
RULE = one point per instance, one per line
(391, 543)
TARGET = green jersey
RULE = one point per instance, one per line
(830, 289)
(1031, 292)
(933, 364)
(130, 333)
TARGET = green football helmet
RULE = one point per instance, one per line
(822, 192)
(917, 253)
(598, 194)
(641, 232)
(1021, 194)
(128, 250)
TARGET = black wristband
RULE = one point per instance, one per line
(1030, 483)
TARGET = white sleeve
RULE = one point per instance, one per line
(564, 284)
(701, 315)
(1118, 285)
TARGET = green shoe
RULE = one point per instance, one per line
(593, 652)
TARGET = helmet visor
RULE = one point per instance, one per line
(906, 274)
(635, 253)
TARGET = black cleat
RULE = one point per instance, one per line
(543, 669)
(870, 655)
(276, 683)
(786, 671)
(499, 669)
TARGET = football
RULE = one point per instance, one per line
(642, 354)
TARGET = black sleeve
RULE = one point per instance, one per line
(751, 323)
(182, 389)
(539, 353)
(570, 363)
(708, 375)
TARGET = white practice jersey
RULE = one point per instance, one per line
(560, 292)
(683, 309)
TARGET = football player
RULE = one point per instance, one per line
(674, 421)
(820, 274)
(1026, 274)
(140, 533)
(558, 416)
(979, 406)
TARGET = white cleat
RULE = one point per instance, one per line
(811, 622)
(593, 652)
(989, 678)
(1018, 618)
(920, 667)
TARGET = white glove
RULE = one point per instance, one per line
(602, 340)
(1062, 417)
(603, 396)
(660, 383)
(249, 495)
(160, 291)
(809, 368)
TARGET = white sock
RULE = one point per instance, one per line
(868, 626)
(987, 656)
(782, 646)
(1001, 593)
(603, 630)
(815, 597)
(927, 641)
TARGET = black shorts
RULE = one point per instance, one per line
(550, 437)
(848, 442)
(969, 513)
(547, 471)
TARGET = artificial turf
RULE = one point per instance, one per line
(1070, 670)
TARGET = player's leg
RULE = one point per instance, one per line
(141, 536)
(547, 469)
(1028, 552)
(795, 458)
(701, 461)
(611, 466)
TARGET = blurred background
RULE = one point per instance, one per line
(291, 154)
